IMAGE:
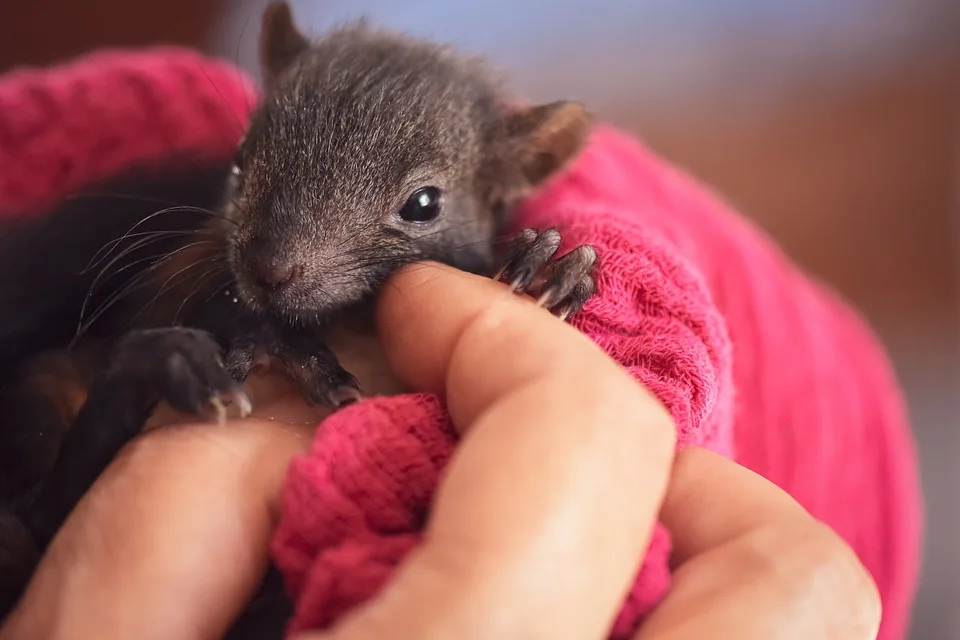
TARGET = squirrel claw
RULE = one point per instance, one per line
(562, 286)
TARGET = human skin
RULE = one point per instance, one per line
(172, 540)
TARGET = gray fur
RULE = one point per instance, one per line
(351, 125)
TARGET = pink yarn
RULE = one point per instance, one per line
(752, 358)
(63, 127)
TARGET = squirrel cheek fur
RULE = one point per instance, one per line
(369, 150)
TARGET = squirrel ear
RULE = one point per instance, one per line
(544, 138)
(280, 40)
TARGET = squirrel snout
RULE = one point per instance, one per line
(272, 272)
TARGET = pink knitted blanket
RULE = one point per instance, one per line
(751, 357)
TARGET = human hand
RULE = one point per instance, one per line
(559, 442)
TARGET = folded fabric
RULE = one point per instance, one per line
(752, 358)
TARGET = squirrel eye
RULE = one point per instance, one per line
(422, 206)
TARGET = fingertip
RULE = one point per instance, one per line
(429, 300)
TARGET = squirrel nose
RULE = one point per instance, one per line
(272, 272)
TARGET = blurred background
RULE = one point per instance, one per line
(834, 124)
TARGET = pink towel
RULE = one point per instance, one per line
(753, 359)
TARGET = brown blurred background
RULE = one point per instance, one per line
(832, 124)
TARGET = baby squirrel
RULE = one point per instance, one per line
(368, 151)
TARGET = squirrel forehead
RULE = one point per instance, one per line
(375, 90)
(361, 112)
(333, 153)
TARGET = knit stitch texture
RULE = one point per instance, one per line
(752, 358)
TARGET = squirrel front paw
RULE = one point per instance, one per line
(180, 365)
(564, 285)
(303, 357)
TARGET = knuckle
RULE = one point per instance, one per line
(646, 426)
(820, 567)
(854, 588)
(657, 424)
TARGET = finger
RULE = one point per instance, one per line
(472, 340)
(771, 584)
(566, 457)
(712, 500)
(169, 543)
(753, 564)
